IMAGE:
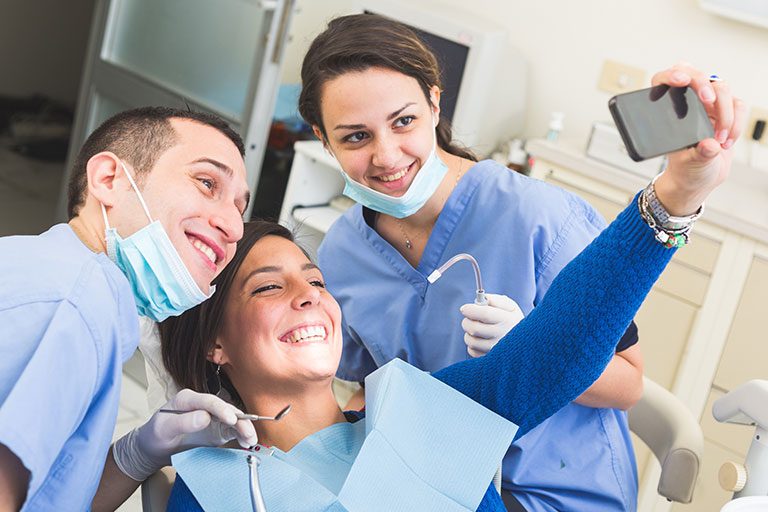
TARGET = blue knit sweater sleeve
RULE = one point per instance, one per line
(563, 346)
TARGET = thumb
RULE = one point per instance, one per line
(174, 426)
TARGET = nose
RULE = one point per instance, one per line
(228, 221)
(386, 152)
(306, 295)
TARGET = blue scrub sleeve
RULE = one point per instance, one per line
(588, 307)
(356, 362)
(52, 394)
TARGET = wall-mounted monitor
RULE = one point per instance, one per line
(484, 79)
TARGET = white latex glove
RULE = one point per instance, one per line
(485, 325)
(210, 422)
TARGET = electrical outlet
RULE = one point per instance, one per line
(616, 77)
(755, 115)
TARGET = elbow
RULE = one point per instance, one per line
(633, 394)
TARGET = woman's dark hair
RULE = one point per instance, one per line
(188, 338)
(362, 41)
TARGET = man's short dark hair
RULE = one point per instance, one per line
(139, 136)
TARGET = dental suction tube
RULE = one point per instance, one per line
(480, 292)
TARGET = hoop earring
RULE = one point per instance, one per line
(216, 378)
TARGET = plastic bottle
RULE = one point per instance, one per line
(555, 126)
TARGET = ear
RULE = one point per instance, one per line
(102, 171)
(434, 98)
(217, 354)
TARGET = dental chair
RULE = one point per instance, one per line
(674, 436)
(660, 419)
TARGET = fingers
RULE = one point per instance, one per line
(726, 111)
(482, 330)
(477, 347)
(502, 301)
(487, 314)
(188, 400)
(243, 431)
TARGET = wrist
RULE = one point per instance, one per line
(132, 460)
(679, 199)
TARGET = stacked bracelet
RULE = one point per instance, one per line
(669, 230)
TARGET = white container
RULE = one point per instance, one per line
(605, 144)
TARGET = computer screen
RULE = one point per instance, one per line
(452, 58)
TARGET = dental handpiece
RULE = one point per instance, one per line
(257, 501)
(480, 298)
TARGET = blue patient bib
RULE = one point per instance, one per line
(409, 453)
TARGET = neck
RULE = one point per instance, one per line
(310, 413)
(89, 231)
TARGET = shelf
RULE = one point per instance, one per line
(319, 218)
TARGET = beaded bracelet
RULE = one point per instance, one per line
(667, 237)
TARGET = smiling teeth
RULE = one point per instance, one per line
(205, 250)
(394, 177)
(306, 334)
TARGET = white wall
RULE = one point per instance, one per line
(42, 47)
(566, 42)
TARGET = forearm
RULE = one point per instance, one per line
(621, 384)
(586, 310)
(14, 480)
(114, 488)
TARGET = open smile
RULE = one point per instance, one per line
(305, 335)
(395, 179)
(210, 252)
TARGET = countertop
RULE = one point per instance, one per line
(739, 205)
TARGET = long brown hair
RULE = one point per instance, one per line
(362, 41)
(187, 339)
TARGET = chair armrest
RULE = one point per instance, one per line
(156, 489)
(674, 436)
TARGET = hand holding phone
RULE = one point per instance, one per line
(660, 120)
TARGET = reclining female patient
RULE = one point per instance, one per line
(273, 331)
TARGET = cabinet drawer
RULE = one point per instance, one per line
(745, 355)
(608, 207)
(664, 324)
(684, 282)
(701, 252)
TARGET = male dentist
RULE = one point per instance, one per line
(156, 200)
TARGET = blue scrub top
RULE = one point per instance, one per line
(68, 321)
(522, 232)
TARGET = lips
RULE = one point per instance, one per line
(211, 252)
(395, 180)
(305, 334)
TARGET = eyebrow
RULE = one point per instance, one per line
(274, 268)
(246, 197)
(361, 126)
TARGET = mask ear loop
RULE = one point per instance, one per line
(136, 189)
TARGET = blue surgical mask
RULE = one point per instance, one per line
(162, 285)
(422, 187)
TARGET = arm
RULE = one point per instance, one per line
(114, 487)
(621, 384)
(14, 479)
(593, 300)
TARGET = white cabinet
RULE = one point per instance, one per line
(700, 327)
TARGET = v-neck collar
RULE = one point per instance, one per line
(441, 234)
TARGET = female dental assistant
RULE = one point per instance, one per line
(371, 90)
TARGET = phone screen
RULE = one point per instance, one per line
(660, 120)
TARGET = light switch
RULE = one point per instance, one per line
(616, 78)
(756, 114)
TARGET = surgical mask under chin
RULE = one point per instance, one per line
(422, 187)
(162, 285)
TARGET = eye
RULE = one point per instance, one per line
(264, 289)
(318, 283)
(208, 183)
(404, 121)
(355, 137)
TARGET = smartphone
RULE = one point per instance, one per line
(660, 120)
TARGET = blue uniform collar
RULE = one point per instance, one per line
(438, 240)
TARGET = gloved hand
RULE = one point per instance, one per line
(485, 325)
(210, 422)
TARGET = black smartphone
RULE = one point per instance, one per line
(659, 120)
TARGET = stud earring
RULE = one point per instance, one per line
(215, 379)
